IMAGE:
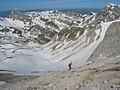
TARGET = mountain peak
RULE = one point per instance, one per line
(15, 12)
(109, 13)
(111, 5)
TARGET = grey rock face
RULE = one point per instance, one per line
(4, 30)
(70, 33)
(110, 46)
(43, 35)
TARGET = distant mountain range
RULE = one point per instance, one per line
(85, 10)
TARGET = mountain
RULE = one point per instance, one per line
(53, 38)
(109, 13)
(33, 43)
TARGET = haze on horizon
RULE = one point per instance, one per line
(53, 4)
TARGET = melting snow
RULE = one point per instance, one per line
(31, 58)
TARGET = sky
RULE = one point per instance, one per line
(54, 4)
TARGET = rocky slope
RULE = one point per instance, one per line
(101, 75)
(110, 44)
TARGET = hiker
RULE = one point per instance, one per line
(70, 66)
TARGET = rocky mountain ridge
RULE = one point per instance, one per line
(54, 39)
(48, 41)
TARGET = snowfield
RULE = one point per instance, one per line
(39, 42)
(5, 22)
(35, 58)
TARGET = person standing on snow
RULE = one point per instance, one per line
(70, 66)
